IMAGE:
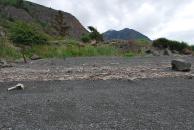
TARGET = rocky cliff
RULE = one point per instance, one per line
(52, 21)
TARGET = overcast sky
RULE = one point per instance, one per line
(173, 19)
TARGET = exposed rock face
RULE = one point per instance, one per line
(175, 52)
(181, 65)
(156, 53)
(167, 52)
(43, 16)
(35, 57)
(4, 64)
(14, 13)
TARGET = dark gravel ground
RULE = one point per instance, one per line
(146, 104)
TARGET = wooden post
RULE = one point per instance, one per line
(23, 54)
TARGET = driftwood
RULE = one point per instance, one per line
(17, 87)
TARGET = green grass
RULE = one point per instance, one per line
(130, 54)
(8, 2)
(7, 50)
(70, 50)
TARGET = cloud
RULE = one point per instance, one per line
(162, 18)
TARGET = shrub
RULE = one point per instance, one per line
(23, 33)
(16, 3)
(192, 47)
(93, 35)
(163, 43)
(19, 3)
(8, 2)
(86, 38)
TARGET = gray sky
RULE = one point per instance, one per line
(173, 19)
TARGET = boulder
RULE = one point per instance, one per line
(156, 53)
(187, 51)
(93, 43)
(181, 65)
(149, 51)
(35, 57)
(175, 52)
(167, 52)
(4, 64)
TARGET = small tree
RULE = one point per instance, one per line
(19, 3)
(94, 34)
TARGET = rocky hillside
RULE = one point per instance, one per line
(125, 34)
(53, 22)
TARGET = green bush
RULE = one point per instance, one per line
(93, 35)
(129, 54)
(16, 3)
(192, 47)
(27, 34)
(163, 43)
(8, 2)
(86, 38)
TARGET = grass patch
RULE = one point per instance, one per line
(68, 48)
(7, 50)
(129, 54)
(46, 51)
(16, 3)
(9, 2)
(71, 50)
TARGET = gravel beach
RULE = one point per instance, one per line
(94, 68)
(145, 103)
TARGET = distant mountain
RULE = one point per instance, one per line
(49, 20)
(125, 34)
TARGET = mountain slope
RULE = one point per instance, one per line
(49, 19)
(125, 34)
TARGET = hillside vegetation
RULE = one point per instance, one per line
(27, 29)
(33, 29)
(16, 3)
(163, 43)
